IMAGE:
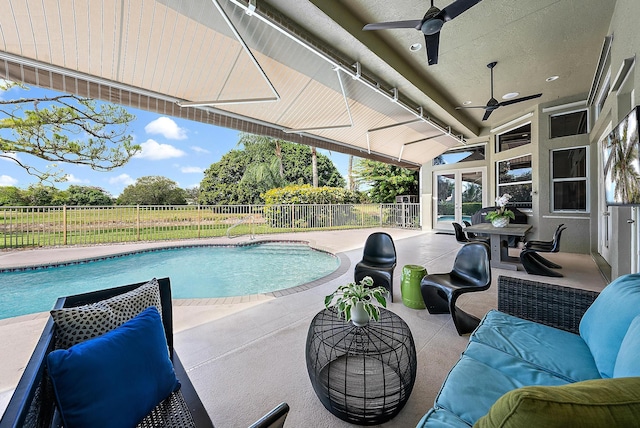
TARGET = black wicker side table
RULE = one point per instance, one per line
(363, 375)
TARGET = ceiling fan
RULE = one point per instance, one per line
(430, 24)
(493, 104)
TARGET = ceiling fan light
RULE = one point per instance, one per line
(510, 95)
(551, 78)
(415, 47)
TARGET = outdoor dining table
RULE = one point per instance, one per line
(499, 236)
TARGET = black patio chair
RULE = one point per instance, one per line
(378, 261)
(471, 272)
(463, 237)
(534, 263)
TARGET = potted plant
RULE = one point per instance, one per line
(501, 216)
(356, 302)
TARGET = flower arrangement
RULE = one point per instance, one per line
(346, 297)
(502, 210)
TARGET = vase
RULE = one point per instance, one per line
(359, 316)
(500, 222)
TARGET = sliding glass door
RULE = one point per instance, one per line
(458, 194)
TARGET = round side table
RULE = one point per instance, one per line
(363, 375)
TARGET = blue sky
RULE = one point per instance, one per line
(171, 147)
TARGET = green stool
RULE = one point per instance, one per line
(410, 286)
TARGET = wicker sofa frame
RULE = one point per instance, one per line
(553, 305)
(33, 402)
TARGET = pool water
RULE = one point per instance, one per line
(195, 272)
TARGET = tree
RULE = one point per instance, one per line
(12, 196)
(41, 195)
(64, 128)
(243, 176)
(87, 195)
(386, 181)
(153, 190)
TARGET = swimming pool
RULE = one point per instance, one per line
(195, 272)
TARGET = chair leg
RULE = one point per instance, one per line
(465, 323)
(548, 263)
(435, 299)
(535, 267)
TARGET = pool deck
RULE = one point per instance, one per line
(226, 344)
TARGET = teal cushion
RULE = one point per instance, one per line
(519, 371)
(115, 379)
(539, 345)
(627, 362)
(472, 386)
(441, 418)
(606, 322)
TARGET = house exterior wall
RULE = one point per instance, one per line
(582, 235)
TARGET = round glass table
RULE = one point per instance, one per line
(363, 375)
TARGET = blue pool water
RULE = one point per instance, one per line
(195, 272)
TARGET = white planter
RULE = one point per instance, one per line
(500, 222)
(359, 317)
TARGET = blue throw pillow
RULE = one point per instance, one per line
(116, 379)
(627, 364)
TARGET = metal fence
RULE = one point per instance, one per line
(74, 225)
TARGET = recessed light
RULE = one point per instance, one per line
(552, 78)
(466, 103)
(510, 95)
(415, 47)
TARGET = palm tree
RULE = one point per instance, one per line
(314, 166)
(624, 167)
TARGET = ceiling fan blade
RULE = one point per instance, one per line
(456, 8)
(432, 41)
(487, 114)
(414, 23)
(517, 100)
(461, 107)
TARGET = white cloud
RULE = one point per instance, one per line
(191, 170)
(153, 150)
(5, 180)
(167, 128)
(199, 149)
(73, 179)
(122, 179)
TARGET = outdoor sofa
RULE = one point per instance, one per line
(128, 332)
(550, 356)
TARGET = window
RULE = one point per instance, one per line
(514, 178)
(569, 179)
(564, 124)
(466, 154)
(515, 138)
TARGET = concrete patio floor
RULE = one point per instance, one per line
(245, 355)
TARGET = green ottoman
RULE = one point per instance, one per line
(410, 287)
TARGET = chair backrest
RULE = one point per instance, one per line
(379, 249)
(460, 236)
(556, 240)
(472, 264)
(470, 235)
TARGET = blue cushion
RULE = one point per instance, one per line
(115, 379)
(519, 371)
(627, 362)
(472, 386)
(542, 346)
(441, 418)
(606, 322)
